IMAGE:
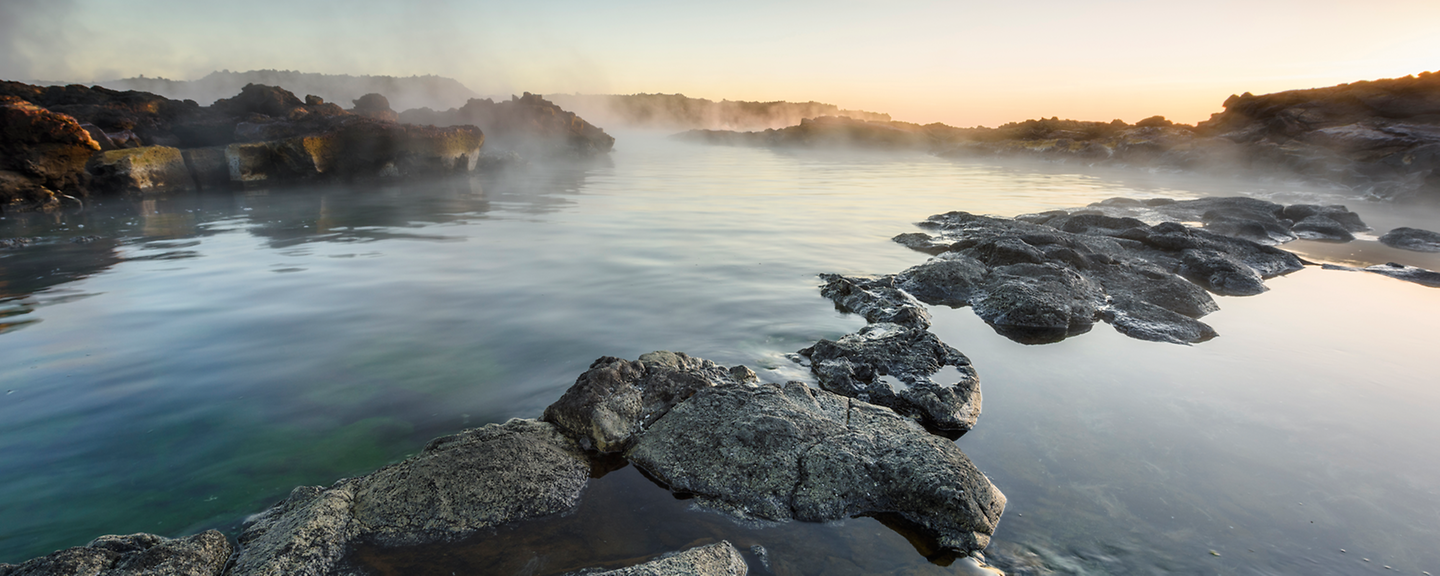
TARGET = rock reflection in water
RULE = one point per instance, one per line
(625, 519)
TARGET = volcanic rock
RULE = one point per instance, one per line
(1412, 239)
(529, 125)
(456, 486)
(781, 452)
(895, 366)
(616, 399)
(1041, 278)
(718, 559)
(42, 153)
(147, 169)
(203, 554)
(375, 106)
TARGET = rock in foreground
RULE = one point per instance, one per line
(782, 452)
(458, 485)
(719, 559)
(203, 554)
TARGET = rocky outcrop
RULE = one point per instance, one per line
(719, 559)
(782, 452)
(1412, 239)
(42, 155)
(49, 136)
(529, 125)
(203, 554)
(145, 169)
(616, 399)
(456, 486)
(375, 106)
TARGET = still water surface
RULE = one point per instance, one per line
(210, 352)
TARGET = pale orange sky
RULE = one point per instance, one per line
(962, 63)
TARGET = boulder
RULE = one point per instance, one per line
(1412, 239)
(875, 299)
(781, 452)
(42, 153)
(375, 106)
(136, 170)
(616, 399)
(718, 559)
(895, 366)
(456, 486)
(203, 554)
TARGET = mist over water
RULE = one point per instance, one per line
(210, 352)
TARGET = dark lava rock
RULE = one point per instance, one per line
(1412, 239)
(375, 106)
(1036, 283)
(718, 559)
(1251, 219)
(458, 485)
(875, 299)
(778, 453)
(894, 365)
(616, 399)
(133, 555)
(42, 155)
(1407, 273)
(528, 124)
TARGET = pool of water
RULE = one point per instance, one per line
(195, 357)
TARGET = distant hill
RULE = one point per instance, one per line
(680, 112)
(403, 93)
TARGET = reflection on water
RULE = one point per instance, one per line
(210, 352)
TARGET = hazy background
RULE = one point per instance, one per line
(959, 62)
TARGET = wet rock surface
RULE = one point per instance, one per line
(1047, 277)
(781, 452)
(135, 554)
(1412, 239)
(719, 559)
(616, 399)
(458, 485)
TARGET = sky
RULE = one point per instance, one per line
(960, 62)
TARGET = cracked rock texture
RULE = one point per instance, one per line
(458, 485)
(134, 555)
(615, 399)
(718, 559)
(782, 452)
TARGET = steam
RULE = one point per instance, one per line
(31, 35)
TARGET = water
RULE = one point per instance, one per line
(209, 352)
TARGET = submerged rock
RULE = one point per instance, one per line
(1412, 239)
(781, 452)
(203, 554)
(718, 559)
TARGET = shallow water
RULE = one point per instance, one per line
(209, 352)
